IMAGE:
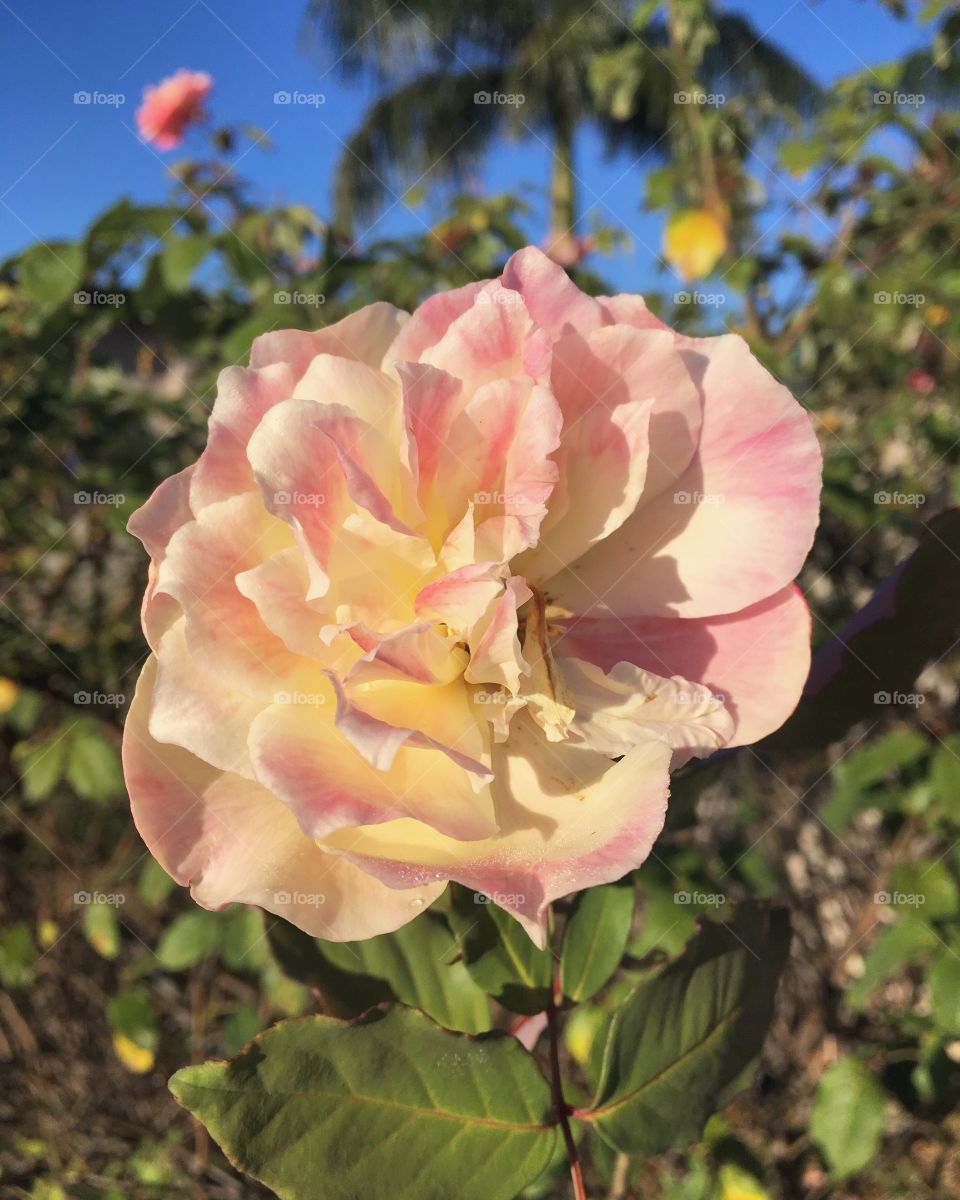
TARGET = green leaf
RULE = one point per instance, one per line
(102, 929)
(883, 758)
(856, 776)
(51, 273)
(40, 765)
(688, 1033)
(244, 942)
(896, 946)
(410, 965)
(131, 1014)
(191, 938)
(243, 1024)
(944, 982)
(25, 713)
(926, 884)
(389, 1107)
(124, 226)
(661, 187)
(846, 1120)
(945, 777)
(154, 884)
(800, 157)
(181, 257)
(595, 938)
(93, 767)
(17, 956)
(665, 926)
(499, 954)
(242, 249)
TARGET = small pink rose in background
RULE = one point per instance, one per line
(920, 381)
(170, 106)
(448, 595)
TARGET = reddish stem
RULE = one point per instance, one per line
(563, 1110)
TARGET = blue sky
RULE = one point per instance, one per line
(62, 163)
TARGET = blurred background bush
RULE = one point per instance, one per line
(817, 216)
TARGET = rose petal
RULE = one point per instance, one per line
(740, 520)
(305, 760)
(154, 523)
(224, 632)
(278, 587)
(570, 819)
(624, 309)
(243, 398)
(365, 335)
(756, 659)
(550, 296)
(495, 656)
(488, 341)
(232, 841)
(193, 710)
(619, 708)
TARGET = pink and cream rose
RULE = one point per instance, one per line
(447, 595)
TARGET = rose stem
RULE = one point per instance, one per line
(562, 1108)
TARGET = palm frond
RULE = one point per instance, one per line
(742, 60)
(427, 131)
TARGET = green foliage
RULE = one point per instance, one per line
(40, 764)
(687, 1035)
(93, 766)
(101, 927)
(846, 1121)
(499, 954)
(321, 1099)
(17, 954)
(412, 965)
(595, 938)
(908, 941)
(191, 938)
(132, 1015)
(944, 980)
